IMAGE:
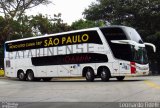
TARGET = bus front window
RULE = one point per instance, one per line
(140, 55)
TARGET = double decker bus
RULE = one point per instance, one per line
(100, 52)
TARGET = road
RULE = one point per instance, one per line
(132, 89)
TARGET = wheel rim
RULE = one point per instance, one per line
(21, 75)
(88, 75)
(103, 74)
(29, 76)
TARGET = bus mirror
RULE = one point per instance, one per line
(152, 45)
(120, 41)
(130, 42)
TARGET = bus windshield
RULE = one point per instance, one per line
(126, 52)
(140, 55)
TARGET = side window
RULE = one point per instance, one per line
(90, 36)
(120, 51)
(8, 64)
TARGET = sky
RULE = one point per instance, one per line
(71, 10)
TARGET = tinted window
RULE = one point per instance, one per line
(78, 58)
(132, 33)
(140, 55)
(54, 41)
(120, 51)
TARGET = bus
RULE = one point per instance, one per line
(100, 52)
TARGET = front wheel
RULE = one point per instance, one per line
(90, 75)
(120, 78)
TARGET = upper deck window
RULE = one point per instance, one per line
(90, 36)
(132, 33)
(120, 51)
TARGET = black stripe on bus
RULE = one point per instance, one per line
(80, 58)
(54, 41)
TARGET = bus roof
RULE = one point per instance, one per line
(73, 31)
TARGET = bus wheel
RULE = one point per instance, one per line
(30, 76)
(89, 75)
(105, 74)
(21, 76)
(120, 78)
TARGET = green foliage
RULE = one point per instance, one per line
(13, 11)
(82, 24)
(140, 14)
(44, 25)
(1, 56)
(16, 8)
(58, 25)
(2, 29)
(40, 25)
(18, 29)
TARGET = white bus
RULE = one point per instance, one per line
(106, 52)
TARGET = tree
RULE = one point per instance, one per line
(40, 25)
(2, 29)
(59, 25)
(81, 24)
(46, 25)
(2, 25)
(16, 8)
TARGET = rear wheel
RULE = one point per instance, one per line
(30, 76)
(120, 78)
(89, 75)
(105, 74)
(21, 76)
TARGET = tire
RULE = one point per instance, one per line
(105, 74)
(120, 78)
(46, 79)
(21, 76)
(30, 76)
(89, 75)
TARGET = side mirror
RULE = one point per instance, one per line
(137, 45)
(129, 42)
(152, 45)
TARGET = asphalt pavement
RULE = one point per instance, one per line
(79, 92)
